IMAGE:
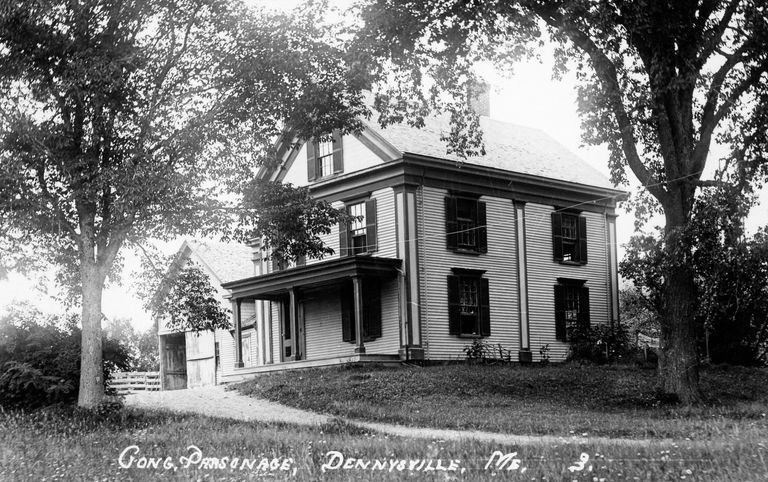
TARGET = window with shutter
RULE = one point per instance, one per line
(571, 307)
(359, 236)
(324, 157)
(569, 238)
(468, 304)
(465, 225)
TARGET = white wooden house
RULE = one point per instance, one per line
(508, 248)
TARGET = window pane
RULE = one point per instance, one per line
(324, 158)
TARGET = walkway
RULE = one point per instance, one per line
(218, 402)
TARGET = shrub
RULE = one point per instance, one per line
(598, 344)
(22, 385)
(40, 358)
(482, 352)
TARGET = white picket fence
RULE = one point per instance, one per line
(127, 382)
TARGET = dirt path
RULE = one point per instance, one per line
(218, 402)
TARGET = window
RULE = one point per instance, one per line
(371, 311)
(324, 157)
(569, 238)
(468, 303)
(571, 307)
(359, 236)
(465, 224)
(324, 161)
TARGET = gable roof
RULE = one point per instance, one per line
(226, 261)
(508, 146)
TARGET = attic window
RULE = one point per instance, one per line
(324, 157)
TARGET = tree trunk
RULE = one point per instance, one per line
(679, 359)
(91, 372)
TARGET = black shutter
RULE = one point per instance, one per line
(301, 260)
(344, 239)
(370, 225)
(560, 313)
(557, 236)
(482, 231)
(311, 160)
(275, 263)
(454, 308)
(452, 237)
(372, 302)
(584, 307)
(485, 312)
(348, 312)
(338, 156)
(582, 239)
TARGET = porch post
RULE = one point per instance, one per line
(238, 333)
(293, 320)
(358, 293)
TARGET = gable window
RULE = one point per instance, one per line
(324, 157)
(371, 311)
(465, 224)
(359, 236)
(571, 307)
(468, 303)
(569, 238)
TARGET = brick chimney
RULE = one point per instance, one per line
(480, 98)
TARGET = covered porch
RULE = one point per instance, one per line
(324, 313)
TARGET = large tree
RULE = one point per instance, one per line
(658, 83)
(120, 118)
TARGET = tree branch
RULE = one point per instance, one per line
(606, 72)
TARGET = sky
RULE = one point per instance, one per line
(530, 97)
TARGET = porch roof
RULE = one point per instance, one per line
(273, 285)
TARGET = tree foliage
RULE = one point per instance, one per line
(121, 119)
(731, 274)
(187, 301)
(290, 221)
(658, 83)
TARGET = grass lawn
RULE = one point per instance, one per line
(555, 400)
(67, 444)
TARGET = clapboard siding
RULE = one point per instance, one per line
(322, 325)
(543, 272)
(435, 265)
(226, 352)
(385, 219)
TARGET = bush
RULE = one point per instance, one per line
(22, 385)
(486, 353)
(40, 358)
(599, 344)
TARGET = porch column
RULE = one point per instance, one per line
(238, 333)
(293, 320)
(358, 294)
